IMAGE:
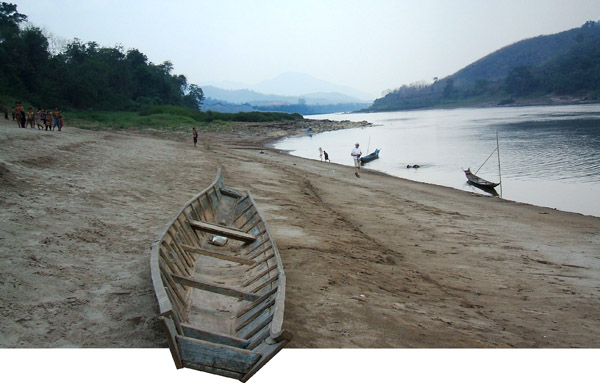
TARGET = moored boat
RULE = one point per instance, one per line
(476, 180)
(220, 284)
(369, 157)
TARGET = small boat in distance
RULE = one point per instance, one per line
(220, 285)
(481, 183)
(478, 181)
(369, 157)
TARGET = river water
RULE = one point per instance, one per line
(549, 155)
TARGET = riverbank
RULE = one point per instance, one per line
(375, 262)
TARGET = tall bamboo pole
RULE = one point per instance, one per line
(499, 172)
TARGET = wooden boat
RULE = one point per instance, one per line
(369, 157)
(481, 183)
(221, 307)
(478, 181)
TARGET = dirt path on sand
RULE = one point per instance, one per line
(370, 262)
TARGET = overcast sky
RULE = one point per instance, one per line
(370, 45)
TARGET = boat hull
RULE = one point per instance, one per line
(478, 181)
(221, 306)
(370, 157)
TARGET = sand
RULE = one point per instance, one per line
(375, 262)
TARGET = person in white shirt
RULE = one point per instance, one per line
(356, 153)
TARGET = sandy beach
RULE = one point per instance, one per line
(375, 262)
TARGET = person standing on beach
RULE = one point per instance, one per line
(17, 114)
(356, 153)
(321, 153)
(195, 133)
(30, 118)
(48, 121)
(326, 156)
(56, 116)
(23, 115)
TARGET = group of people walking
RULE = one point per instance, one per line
(43, 119)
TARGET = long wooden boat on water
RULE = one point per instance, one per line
(220, 285)
(478, 181)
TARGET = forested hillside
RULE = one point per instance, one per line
(83, 75)
(565, 64)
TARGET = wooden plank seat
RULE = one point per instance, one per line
(196, 333)
(222, 230)
(218, 254)
(202, 285)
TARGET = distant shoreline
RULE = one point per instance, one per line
(541, 101)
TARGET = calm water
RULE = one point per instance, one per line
(549, 156)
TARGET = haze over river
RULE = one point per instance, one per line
(549, 155)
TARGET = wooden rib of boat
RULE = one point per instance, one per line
(369, 157)
(221, 307)
(478, 181)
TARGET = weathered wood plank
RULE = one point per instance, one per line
(257, 314)
(216, 355)
(259, 276)
(244, 210)
(263, 259)
(257, 339)
(222, 230)
(230, 192)
(202, 285)
(218, 254)
(264, 284)
(169, 326)
(248, 219)
(268, 351)
(196, 333)
(261, 251)
(256, 303)
(259, 326)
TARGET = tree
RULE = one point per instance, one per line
(195, 97)
(520, 81)
(9, 20)
(481, 86)
(449, 88)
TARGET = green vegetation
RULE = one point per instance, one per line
(171, 118)
(83, 75)
(566, 64)
(100, 86)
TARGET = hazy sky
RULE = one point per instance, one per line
(370, 45)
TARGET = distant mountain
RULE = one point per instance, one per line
(289, 92)
(563, 67)
(532, 52)
(239, 96)
(246, 96)
(294, 83)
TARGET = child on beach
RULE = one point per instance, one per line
(30, 119)
(56, 116)
(38, 118)
(195, 133)
(48, 121)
